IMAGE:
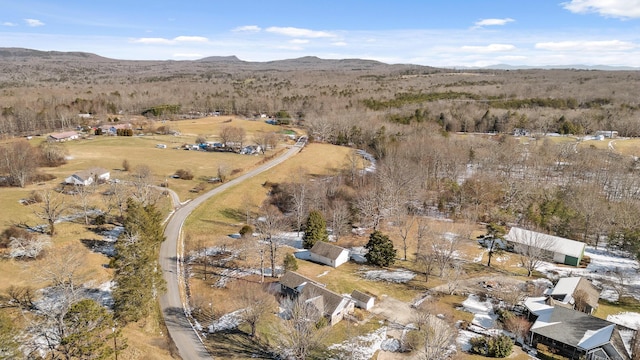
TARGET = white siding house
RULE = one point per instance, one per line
(88, 177)
(328, 254)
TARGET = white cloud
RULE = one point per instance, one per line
(7, 23)
(299, 41)
(290, 47)
(174, 41)
(298, 32)
(33, 22)
(152, 41)
(490, 48)
(247, 28)
(624, 9)
(493, 22)
(339, 43)
(199, 39)
(606, 45)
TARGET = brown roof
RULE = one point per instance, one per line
(360, 296)
(292, 280)
(64, 135)
(593, 294)
(327, 250)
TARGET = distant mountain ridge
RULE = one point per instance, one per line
(306, 62)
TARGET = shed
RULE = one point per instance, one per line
(558, 249)
(328, 254)
(362, 300)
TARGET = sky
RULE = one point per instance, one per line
(441, 33)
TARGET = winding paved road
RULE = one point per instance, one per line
(187, 340)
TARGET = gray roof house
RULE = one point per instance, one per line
(328, 254)
(560, 250)
(333, 306)
(577, 335)
(88, 177)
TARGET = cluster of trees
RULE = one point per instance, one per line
(19, 161)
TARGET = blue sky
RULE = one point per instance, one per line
(445, 33)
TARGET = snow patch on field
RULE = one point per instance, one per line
(601, 270)
(482, 310)
(397, 276)
(628, 319)
(361, 347)
(228, 321)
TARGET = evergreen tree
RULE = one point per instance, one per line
(89, 332)
(315, 229)
(381, 251)
(137, 273)
(290, 263)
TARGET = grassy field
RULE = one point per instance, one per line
(146, 339)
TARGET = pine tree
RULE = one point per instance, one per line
(315, 229)
(381, 251)
(137, 273)
(290, 263)
(89, 332)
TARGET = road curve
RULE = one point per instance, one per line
(186, 339)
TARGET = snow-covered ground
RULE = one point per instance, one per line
(397, 276)
(227, 322)
(602, 270)
(361, 347)
(482, 310)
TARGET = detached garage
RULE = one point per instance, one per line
(327, 254)
(560, 250)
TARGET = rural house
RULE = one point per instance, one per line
(574, 293)
(577, 335)
(560, 250)
(63, 136)
(331, 305)
(362, 300)
(328, 254)
(88, 177)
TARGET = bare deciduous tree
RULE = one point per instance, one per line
(142, 180)
(51, 209)
(268, 226)
(256, 302)
(83, 195)
(19, 161)
(534, 248)
(300, 334)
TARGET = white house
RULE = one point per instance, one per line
(331, 305)
(64, 136)
(328, 254)
(362, 300)
(88, 177)
(560, 250)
